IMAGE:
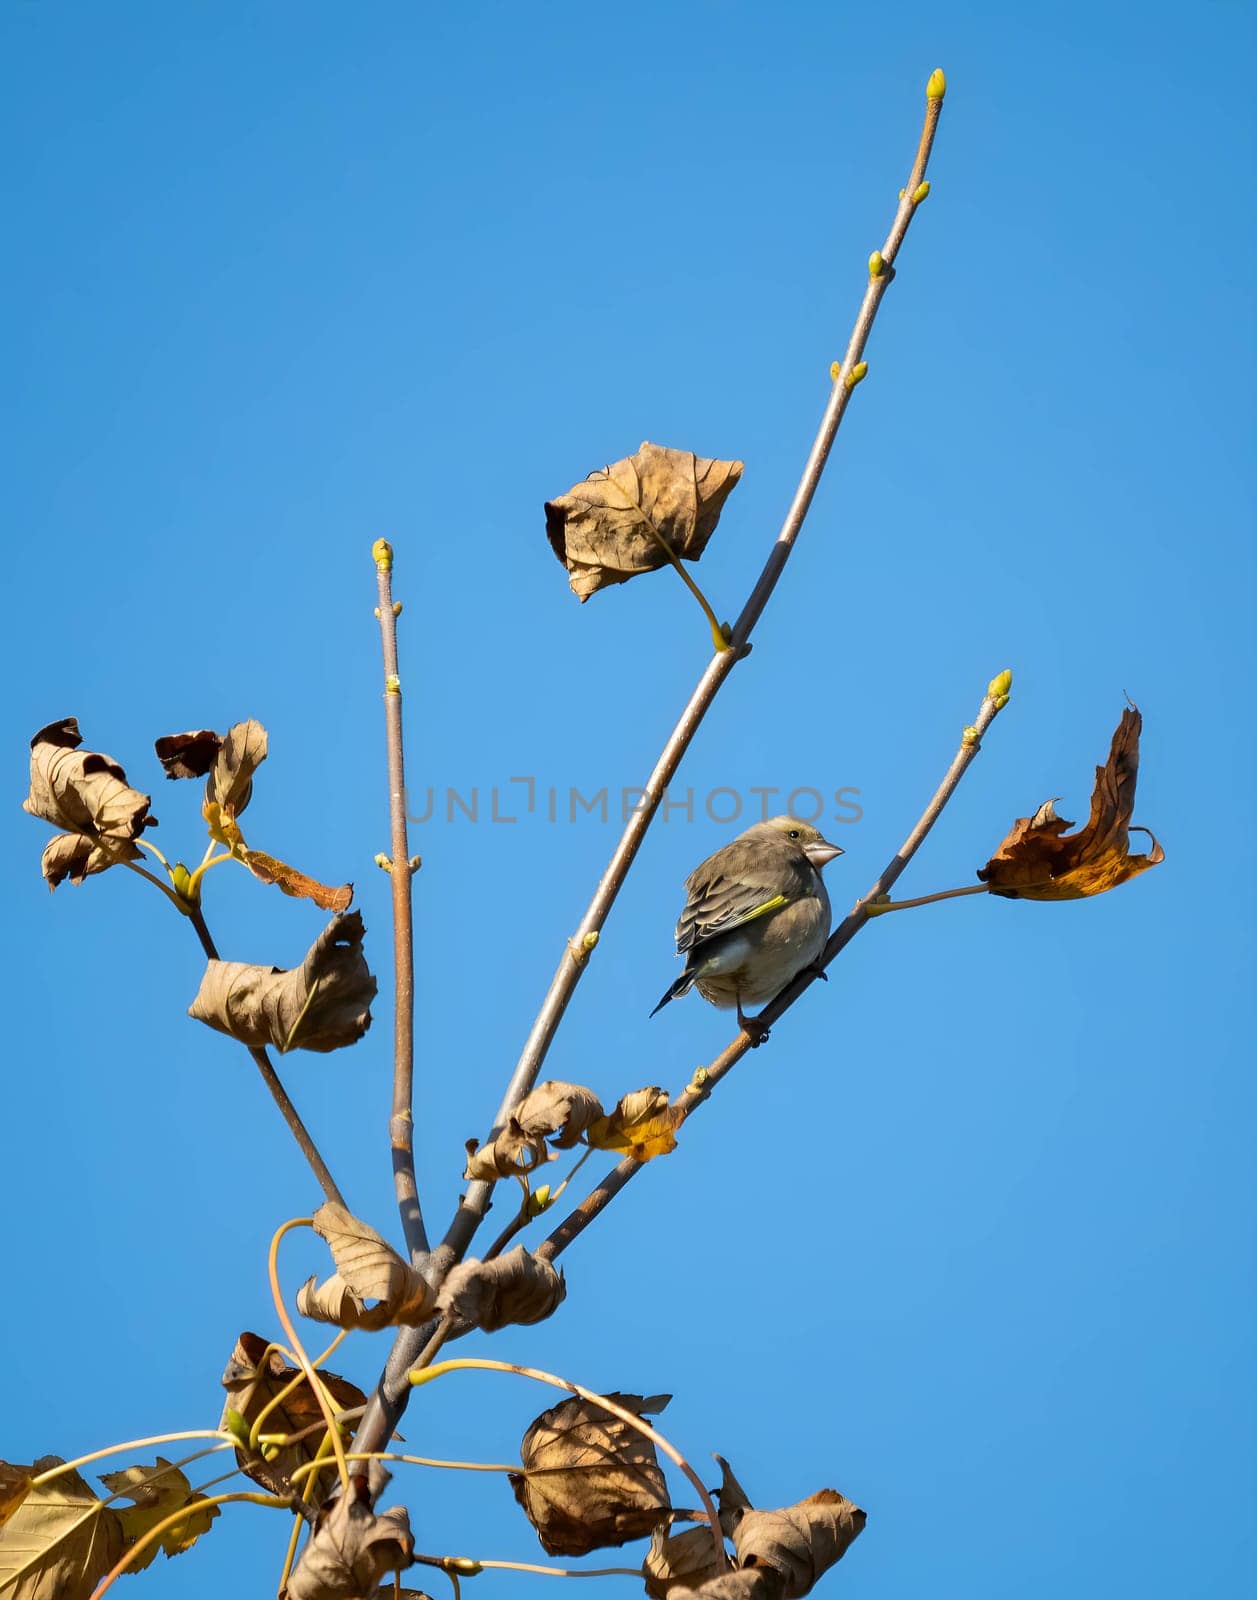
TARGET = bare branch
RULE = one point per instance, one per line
(706, 1079)
(846, 374)
(401, 1128)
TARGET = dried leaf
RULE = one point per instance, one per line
(801, 1541)
(268, 870)
(157, 1492)
(589, 1479)
(320, 1005)
(15, 1485)
(1040, 860)
(743, 1583)
(516, 1287)
(61, 1538)
(253, 1378)
(558, 1109)
(88, 796)
(351, 1549)
(241, 753)
(623, 519)
(678, 1562)
(367, 1268)
(642, 1125)
(188, 755)
(512, 1154)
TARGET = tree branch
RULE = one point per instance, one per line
(706, 1079)
(271, 1079)
(401, 1128)
(387, 1404)
(846, 374)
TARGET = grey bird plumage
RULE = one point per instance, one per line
(756, 913)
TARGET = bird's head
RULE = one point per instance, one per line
(808, 839)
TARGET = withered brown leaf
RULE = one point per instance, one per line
(352, 1548)
(86, 794)
(157, 1492)
(1040, 860)
(515, 1287)
(642, 1125)
(367, 1268)
(253, 1377)
(266, 869)
(15, 1485)
(624, 518)
(589, 1479)
(61, 1538)
(320, 1005)
(557, 1111)
(677, 1562)
(801, 1541)
(188, 755)
(241, 752)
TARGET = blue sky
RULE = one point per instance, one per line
(972, 1239)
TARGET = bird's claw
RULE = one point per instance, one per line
(755, 1030)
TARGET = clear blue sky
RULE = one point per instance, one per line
(972, 1239)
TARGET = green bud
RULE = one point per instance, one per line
(936, 88)
(857, 374)
(1000, 684)
(920, 192)
(382, 554)
(590, 941)
(877, 264)
(969, 737)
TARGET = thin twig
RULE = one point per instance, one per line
(862, 913)
(389, 1401)
(476, 1201)
(401, 1127)
(883, 908)
(271, 1079)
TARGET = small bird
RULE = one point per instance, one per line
(756, 913)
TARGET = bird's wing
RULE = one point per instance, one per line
(718, 903)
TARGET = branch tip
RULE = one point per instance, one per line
(936, 88)
(1000, 685)
(382, 555)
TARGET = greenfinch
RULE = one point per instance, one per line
(756, 913)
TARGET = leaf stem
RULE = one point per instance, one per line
(303, 1360)
(481, 1364)
(181, 906)
(309, 1467)
(132, 1444)
(290, 1387)
(401, 1126)
(446, 1562)
(924, 899)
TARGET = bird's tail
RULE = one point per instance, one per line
(674, 991)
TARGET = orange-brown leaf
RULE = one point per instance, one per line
(643, 1125)
(268, 870)
(1041, 860)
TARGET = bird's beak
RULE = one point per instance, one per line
(821, 852)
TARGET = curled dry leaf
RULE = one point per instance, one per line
(86, 794)
(321, 1005)
(241, 752)
(589, 1479)
(157, 1492)
(367, 1268)
(351, 1549)
(743, 1583)
(266, 869)
(62, 1540)
(557, 1111)
(677, 1562)
(516, 1287)
(188, 755)
(1041, 860)
(625, 518)
(642, 1125)
(253, 1377)
(801, 1542)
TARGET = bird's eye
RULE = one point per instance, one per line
(793, 834)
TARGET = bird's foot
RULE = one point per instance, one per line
(817, 971)
(755, 1030)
